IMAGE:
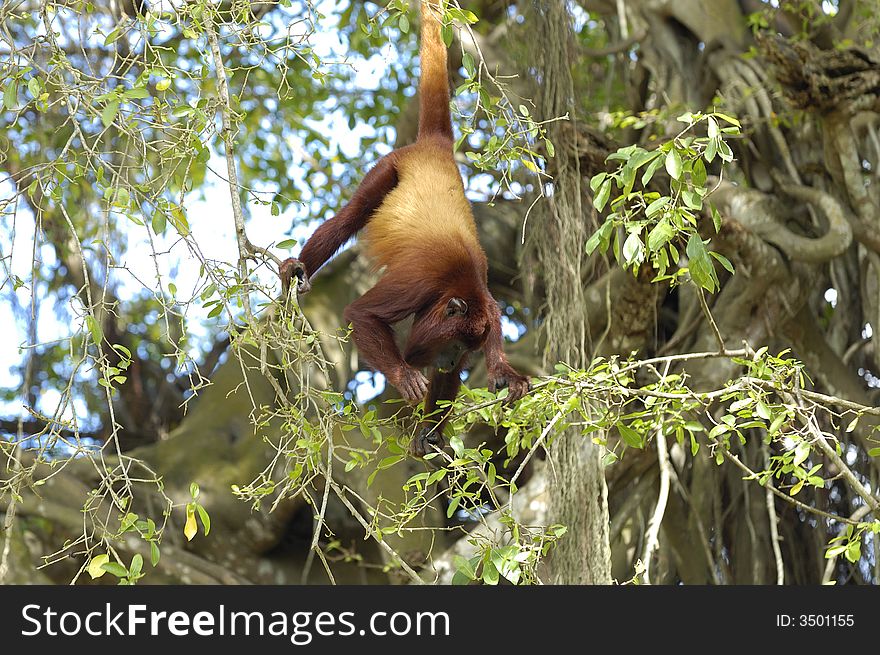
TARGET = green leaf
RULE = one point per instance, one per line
(436, 476)
(633, 249)
(403, 24)
(178, 220)
(108, 115)
(460, 579)
(673, 164)
(854, 551)
(465, 567)
(206, 520)
(154, 553)
(453, 504)
(657, 206)
(467, 61)
(136, 92)
(96, 567)
(763, 411)
(10, 95)
(447, 33)
(727, 118)
(716, 218)
(116, 569)
(651, 169)
(724, 261)
(94, 329)
(490, 574)
(834, 551)
(630, 437)
(159, 222)
(163, 84)
(112, 37)
(34, 86)
(776, 424)
(692, 199)
(699, 264)
(712, 130)
(287, 243)
(711, 150)
(698, 173)
(801, 452)
(874, 452)
(123, 198)
(660, 235)
(602, 197)
(137, 563)
(388, 462)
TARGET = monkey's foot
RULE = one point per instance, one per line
(291, 267)
(428, 438)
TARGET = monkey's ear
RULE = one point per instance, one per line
(456, 307)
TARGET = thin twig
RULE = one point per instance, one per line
(774, 523)
(715, 331)
(341, 494)
(652, 539)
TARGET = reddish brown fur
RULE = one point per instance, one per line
(418, 228)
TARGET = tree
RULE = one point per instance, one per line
(679, 208)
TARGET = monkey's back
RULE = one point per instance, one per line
(426, 219)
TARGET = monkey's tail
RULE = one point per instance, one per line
(434, 115)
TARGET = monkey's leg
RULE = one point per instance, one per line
(444, 386)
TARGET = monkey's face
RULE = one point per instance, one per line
(443, 336)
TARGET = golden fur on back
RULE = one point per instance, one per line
(426, 218)
(426, 214)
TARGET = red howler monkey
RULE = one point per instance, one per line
(418, 225)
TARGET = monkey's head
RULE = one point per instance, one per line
(444, 334)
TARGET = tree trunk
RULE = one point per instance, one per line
(578, 498)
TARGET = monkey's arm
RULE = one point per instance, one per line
(372, 316)
(501, 373)
(334, 232)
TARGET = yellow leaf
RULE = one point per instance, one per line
(163, 84)
(190, 529)
(95, 565)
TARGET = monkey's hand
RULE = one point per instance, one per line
(517, 385)
(289, 268)
(411, 384)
